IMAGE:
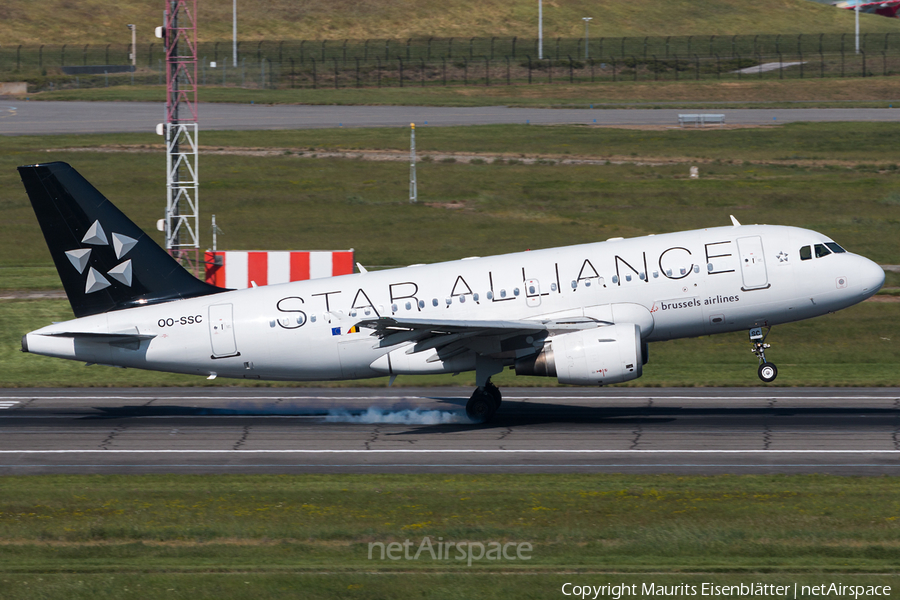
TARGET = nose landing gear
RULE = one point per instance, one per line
(767, 371)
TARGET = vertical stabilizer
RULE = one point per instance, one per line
(104, 260)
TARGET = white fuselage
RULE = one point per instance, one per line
(673, 285)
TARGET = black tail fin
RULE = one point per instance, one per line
(105, 261)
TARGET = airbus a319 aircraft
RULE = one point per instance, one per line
(584, 314)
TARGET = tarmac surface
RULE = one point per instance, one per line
(846, 431)
(43, 118)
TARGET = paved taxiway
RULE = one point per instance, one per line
(42, 118)
(262, 430)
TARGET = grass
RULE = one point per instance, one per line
(61, 22)
(464, 584)
(262, 536)
(294, 202)
(876, 92)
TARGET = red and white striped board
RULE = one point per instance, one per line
(240, 269)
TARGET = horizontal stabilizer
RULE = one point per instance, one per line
(109, 338)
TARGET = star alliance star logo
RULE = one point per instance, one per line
(79, 258)
(782, 257)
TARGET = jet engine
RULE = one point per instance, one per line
(598, 356)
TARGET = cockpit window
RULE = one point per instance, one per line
(821, 251)
(805, 253)
(834, 247)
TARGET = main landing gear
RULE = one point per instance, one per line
(484, 403)
(767, 371)
(486, 398)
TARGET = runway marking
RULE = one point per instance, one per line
(448, 451)
(5, 405)
(453, 466)
(430, 396)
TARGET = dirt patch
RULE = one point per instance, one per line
(884, 298)
(476, 157)
(32, 295)
(447, 205)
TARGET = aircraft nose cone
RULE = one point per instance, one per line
(871, 277)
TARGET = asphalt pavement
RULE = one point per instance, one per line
(848, 431)
(45, 118)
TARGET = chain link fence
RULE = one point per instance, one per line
(462, 61)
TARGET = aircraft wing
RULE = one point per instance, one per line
(454, 336)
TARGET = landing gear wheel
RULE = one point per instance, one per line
(481, 406)
(768, 372)
(494, 392)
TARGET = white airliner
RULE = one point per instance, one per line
(584, 314)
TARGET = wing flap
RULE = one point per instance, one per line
(385, 326)
(451, 337)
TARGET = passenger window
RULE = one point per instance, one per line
(394, 307)
(805, 253)
(475, 296)
(615, 279)
(462, 299)
(408, 306)
(490, 295)
(312, 319)
(835, 248)
(434, 302)
(531, 289)
(821, 251)
(503, 293)
(516, 292)
(574, 284)
(552, 287)
(421, 304)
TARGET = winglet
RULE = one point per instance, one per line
(361, 268)
(734, 221)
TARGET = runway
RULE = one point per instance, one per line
(847, 431)
(45, 118)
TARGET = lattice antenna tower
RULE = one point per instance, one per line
(182, 175)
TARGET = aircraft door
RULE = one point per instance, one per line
(532, 292)
(753, 264)
(221, 331)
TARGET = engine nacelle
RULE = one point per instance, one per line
(598, 356)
